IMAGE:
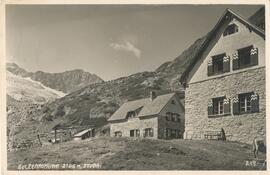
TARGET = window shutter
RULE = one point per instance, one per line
(235, 61)
(210, 108)
(254, 103)
(254, 56)
(210, 68)
(227, 106)
(236, 109)
(226, 64)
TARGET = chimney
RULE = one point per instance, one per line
(152, 95)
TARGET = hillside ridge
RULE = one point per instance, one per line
(67, 81)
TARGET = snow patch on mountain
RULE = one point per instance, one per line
(28, 90)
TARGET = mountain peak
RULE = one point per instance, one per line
(17, 70)
(67, 81)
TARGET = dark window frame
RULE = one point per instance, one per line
(170, 133)
(148, 132)
(231, 29)
(171, 116)
(219, 104)
(247, 99)
(217, 62)
(134, 133)
(117, 134)
(244, 56)
(131, 114)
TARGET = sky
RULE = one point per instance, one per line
(110, 41)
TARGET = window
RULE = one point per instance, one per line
(172, 133)
(231, 29)
(132, 133)
(148, 132)
(245, 103)
(218, 64)
(244, 56)
(178, 134)
(178, 118)
(218, 106)
(168, 116)
(166, 133)
(131, 114)
(217, 61)
(174, 117)
(135, 133)
(118, 134)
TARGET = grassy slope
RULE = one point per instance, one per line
(143, 154)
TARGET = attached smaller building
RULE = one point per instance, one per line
(160, 117)
(84, 134)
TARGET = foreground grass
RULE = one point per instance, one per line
(141, 154)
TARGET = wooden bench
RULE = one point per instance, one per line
(213, 135)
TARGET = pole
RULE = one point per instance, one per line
(39, 140)
(55, 132)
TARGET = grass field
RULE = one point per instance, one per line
(141, 154)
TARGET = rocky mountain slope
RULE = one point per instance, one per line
(172, 70)
(27, 90)
(24, 97)
(258, 18)
(66, 82)
(93, 104)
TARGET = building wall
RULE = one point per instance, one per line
(229, 45)
(241, 128)
(158, 122)
(175, 108)
(135, 123)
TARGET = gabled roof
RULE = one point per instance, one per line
(227, 15)
(148, 107)
(155, 106)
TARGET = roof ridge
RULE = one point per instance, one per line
(148, 97)
(245, 20)
(173, 94)
(147, 105)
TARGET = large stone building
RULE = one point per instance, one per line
(225, 85)
(160, 117)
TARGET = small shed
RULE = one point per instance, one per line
(84, 134)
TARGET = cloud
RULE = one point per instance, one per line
(127, 46)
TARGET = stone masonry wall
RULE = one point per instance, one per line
(241, 128)
(135, 123)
